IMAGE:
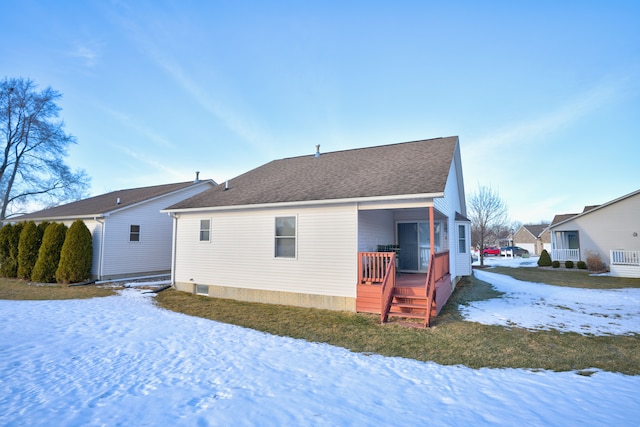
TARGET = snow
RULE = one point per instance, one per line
(121, 360)
(543, 307)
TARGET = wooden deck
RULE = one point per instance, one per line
(414, 284)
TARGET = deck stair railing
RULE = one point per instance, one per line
(415, 302)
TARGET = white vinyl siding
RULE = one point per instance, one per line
(153, 252)
(450, 204)
(243, 250)
(375, 228)
(606, 228)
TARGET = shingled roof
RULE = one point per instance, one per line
(409, 168)
(536, 229)
(105, 203)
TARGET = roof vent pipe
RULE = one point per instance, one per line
(197, 176)
(317, 150)
(118, 201)
(226, 185)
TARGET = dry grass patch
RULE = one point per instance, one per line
(450, 341)
(14, 289)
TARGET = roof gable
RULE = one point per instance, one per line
(410, 168)
(109, 202)
(591, 208)
(536, 230)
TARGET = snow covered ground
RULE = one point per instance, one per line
(121, 360)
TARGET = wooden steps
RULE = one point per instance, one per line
(410, 303)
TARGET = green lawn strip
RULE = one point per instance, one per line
(573, 278)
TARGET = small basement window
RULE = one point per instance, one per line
(134, 233)
(202, 289)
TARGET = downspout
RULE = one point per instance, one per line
(175, 217)
(102, 223)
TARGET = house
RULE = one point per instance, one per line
(131, 237)
(608, 232)
(534, 238)
(309, 230)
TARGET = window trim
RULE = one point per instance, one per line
(462, 238)
(134, 233)
(201, 230)
(294, 237)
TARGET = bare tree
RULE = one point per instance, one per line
(32, 167)
(488, 214)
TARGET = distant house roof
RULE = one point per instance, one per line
(589, 209)
(536, 229)
(107, 203)
(410, 168)
(561, 218)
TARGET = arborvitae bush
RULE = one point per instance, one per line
(30, 240)
(49, 254)
(581, 265)
(555, 264)
(568, 264)
(545, 259)
(9, 252)
(75, 257)
(5, 233)
(41, 227)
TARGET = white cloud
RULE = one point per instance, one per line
(87, 52)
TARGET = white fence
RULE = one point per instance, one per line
(565, 254)
(625, 263)
(619, 257)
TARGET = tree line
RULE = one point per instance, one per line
(47, 252)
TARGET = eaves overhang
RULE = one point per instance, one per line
(361, 201)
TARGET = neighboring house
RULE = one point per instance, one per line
(294, 231)
(534, 238)
(131, 237)
(608, 231)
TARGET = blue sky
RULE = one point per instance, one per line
(545, 95)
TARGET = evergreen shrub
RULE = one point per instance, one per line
(9, 240)
(545, 259)
(568, 264)
(30, 240)
(76, 254)
(581, 265)
(49, 253)
(555, 264)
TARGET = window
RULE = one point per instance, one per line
(285, 237)
(134, 233)
(202, 289)
(462, 239)
(205, 230)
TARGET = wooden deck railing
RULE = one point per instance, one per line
(372, 266)
(438, 268)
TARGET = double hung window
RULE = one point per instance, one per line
(285, 239)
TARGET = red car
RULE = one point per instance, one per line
(491, 251)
